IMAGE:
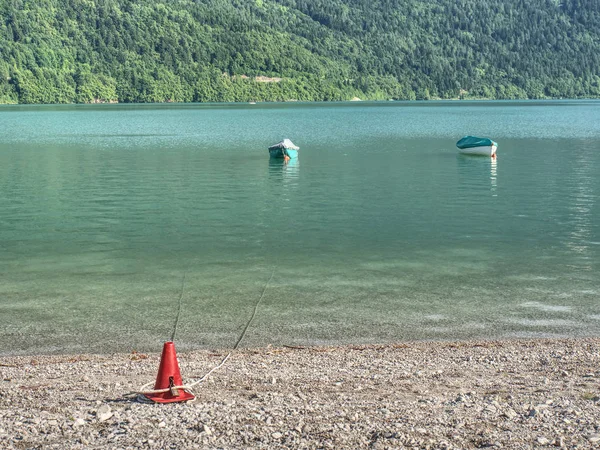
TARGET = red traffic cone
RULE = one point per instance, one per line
(168, 377)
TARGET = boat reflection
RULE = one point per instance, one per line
(283, 181)
(478, 173)
(285, 170)
(494, 176)
(581, 205)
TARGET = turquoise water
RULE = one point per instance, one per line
(115, 218)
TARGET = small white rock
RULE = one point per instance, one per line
(79, 423)
(543, 441)
(104, 413)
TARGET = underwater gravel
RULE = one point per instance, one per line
(442, 395)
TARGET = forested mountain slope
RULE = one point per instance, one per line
(62, 51)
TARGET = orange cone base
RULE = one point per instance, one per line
(168, 376)
(166, 397)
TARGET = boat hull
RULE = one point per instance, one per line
(281, 152)
(486, 150)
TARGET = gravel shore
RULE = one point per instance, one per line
(509, 394)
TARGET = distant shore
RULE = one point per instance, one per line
(505, 394)
(319, 102)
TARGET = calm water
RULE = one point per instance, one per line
(114, 217)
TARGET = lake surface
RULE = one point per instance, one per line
(117, 219)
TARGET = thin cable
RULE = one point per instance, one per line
(253, 313)
(178, 308)
(190, 385)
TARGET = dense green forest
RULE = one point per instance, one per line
(65, 51)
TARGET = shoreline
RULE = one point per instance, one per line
(542, 393)
(311, 102)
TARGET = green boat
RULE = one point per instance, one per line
(285, 148)
(473, 145)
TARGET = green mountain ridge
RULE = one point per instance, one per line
(85, 51)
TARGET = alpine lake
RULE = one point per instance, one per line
(124, 226)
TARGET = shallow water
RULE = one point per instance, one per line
(114, 218)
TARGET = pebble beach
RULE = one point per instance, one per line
(517, 394)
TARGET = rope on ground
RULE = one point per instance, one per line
(188, 387)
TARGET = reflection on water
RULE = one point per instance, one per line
(288, 171)
(494, 176)
(478, 173)
(284, 181)
(582, 202)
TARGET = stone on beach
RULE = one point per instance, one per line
(509, 394)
